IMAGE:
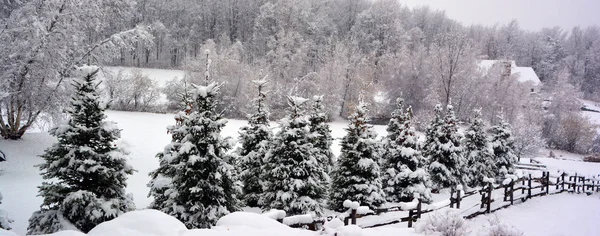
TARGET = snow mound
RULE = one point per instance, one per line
(61, 233)
(349, 230)
(143, 223)
(351, 204)
(249, 219)
(275, 214)
(298, 219)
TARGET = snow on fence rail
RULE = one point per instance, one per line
(513, 189)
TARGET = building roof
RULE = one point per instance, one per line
(525, 74)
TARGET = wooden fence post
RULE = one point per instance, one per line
(452, 199)
(512, 189)
(575, 183)
(419, 206)
(529, 187)
(489, 197)
(353, 216)
(457, 199)
(523, 189)
(547, 182)
(483, 197)
(563, 181)
(541, 181)
(410, 218)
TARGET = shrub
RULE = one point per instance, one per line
(445, 222)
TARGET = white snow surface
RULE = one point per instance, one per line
(561, 214)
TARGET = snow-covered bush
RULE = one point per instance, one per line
(497, 228)
(85, 173)
(4, 220)
(445, 222)
(133, 92)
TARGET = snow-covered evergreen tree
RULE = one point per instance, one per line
(321, 133)
(195, 183)
(85, 173)
(255, 140)
(478, 153)
(403, 167)
(502, 145)
(295, 180)
(443, 149)
(356, 175)
(4, 219)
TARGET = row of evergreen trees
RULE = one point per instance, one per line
(199, 179)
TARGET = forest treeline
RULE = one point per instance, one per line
(336, 48)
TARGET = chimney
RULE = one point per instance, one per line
(506, 69)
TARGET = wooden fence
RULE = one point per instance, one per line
(513, 190)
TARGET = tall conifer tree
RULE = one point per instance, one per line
(295, 180)
(356, 175)
(404, 167)
(85, 173)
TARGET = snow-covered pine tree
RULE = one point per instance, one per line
(403, 167)
(202, 184)
(4, 219)
(85, 173)
(255, 140)
(478, 153)
(321, 133)
(295, 180)
(161, 187)
(443, 149)
(356, 175)
(502, 145)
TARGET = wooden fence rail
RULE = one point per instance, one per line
(517, 189)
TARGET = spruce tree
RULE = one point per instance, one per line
(443, 149)
(255, 140)
(356, 175)
(321, 133)
(404, 171)
(202, 184)
(478, 153)
(503, 148)
(295, 180)
(85, 173)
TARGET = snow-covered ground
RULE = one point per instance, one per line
(555, 215)
(144, 134)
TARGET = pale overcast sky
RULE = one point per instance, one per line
(531, 14)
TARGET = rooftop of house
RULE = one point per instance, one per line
(525, 74)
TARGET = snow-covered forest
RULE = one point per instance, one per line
(461, 106)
